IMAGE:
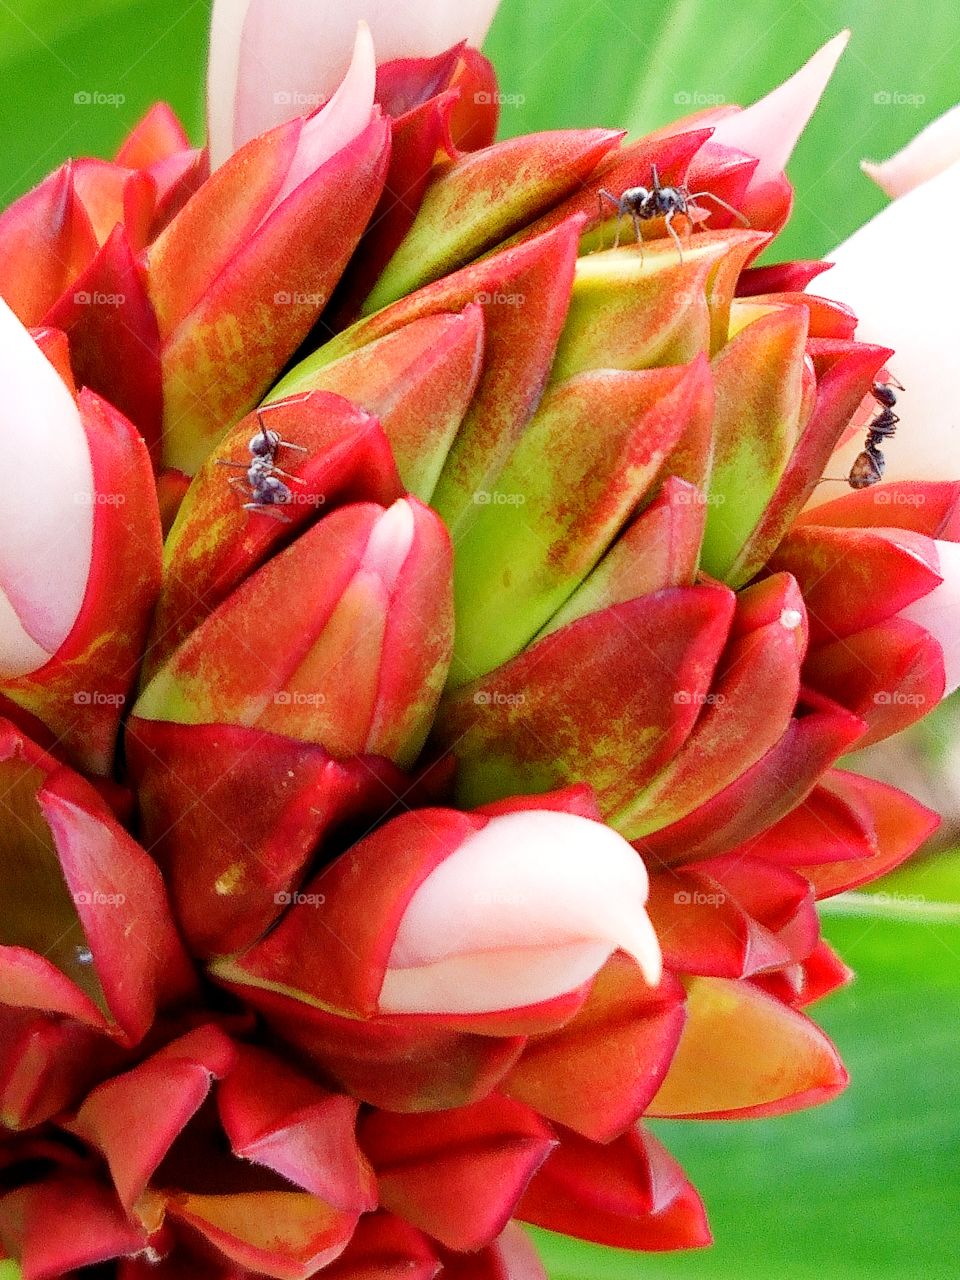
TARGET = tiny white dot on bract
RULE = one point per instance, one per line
(791, 618)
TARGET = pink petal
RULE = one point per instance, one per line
(264, 70)
(934, 149)
(390, 543)
(770, 128)
(939, 612)
(528, 908)
(345, 116)
(46, 518)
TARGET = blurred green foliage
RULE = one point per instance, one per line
(869, 1186)
(121, 49)
(642, 63)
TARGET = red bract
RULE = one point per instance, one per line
(452, 785)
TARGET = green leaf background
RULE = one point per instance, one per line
(867, 1188)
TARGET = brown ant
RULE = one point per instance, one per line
(263, 483)
(642, 204)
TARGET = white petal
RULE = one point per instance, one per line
(223, 69)
(901, 275)
(46, 517)
(527, 909)
(939, 612)
(934, 149)
(269, 63)
(770, 128)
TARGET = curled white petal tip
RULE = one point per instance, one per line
(939, 612)
(529, 908)
(265, 68)
(934, 149)
(771, 127)
(345, 116)
(46, 526)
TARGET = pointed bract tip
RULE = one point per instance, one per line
(771, 127)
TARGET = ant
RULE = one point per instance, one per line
(869, 465)
(263, 483)
(642, 204)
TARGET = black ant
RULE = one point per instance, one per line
(642, 204)
(869, 465)
(263, 483)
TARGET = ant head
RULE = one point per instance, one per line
(671, 200)
(264, 443)
(885, 394)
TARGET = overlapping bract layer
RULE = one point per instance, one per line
(476, 808)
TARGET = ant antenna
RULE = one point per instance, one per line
(698, 195)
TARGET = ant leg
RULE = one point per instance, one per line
(676, 239)
(240, 485)
(266, 509)
(604, 194)
(288, 444)
(287, 476)
(637, 233)
(226, 462)
(697, 195)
